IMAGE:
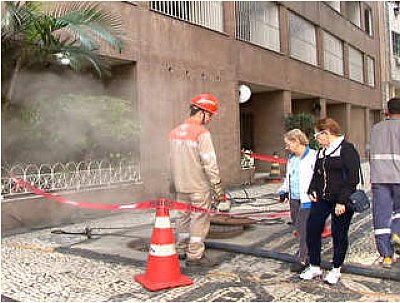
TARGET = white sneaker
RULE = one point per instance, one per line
(311, 272)
(333, 276)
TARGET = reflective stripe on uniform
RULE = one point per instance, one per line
(164, 250)
(162, 222)
(382, 231)
(208, 156)
(189, 143)
(385, 157)
(183, 236)
(195, 240)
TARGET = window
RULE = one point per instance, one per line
(353, 12)
(334, 4)
(258, 23)
(371, 71)
(356, 65)
(302, 40)
(368, 21)
(396, 44)
(333, 54)
(206, 13)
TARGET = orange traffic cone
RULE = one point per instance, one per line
(326, 232)
(275, 173)
(163, 270)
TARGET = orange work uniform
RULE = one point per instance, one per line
(194, 170)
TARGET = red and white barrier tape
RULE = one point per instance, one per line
(166, 203)
(268, 158)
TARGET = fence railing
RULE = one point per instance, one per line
(205, 13)
(71, 176)
(257, 22)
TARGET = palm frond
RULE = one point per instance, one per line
(89, 22)
(81, 59)
(17, 18)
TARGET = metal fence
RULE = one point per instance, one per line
(205, 13)
(71, 176)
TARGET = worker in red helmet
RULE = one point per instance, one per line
(196, 178)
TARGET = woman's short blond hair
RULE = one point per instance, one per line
(297, 135)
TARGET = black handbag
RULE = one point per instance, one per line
(359, 201)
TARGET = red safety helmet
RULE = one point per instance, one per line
(206, 102)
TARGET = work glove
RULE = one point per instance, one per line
(220, 202)
(218, 193)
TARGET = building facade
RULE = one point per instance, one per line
(316, 57)
(391, 50)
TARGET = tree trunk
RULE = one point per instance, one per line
(13, 81)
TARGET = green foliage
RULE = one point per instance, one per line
(47, 32)
(304, 122)
(70, 128)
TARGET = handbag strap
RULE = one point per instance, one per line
(361, 177)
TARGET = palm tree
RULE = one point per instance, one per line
(65, 33)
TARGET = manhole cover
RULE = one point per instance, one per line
(224, 231)
(225, 220)
(142, 244)
(224, 227)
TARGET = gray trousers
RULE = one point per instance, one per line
(300, 217)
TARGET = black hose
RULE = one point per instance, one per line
(381, 273)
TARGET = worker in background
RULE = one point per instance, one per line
(299, 171)
(385, 180)
(196, 178)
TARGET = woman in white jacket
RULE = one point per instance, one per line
(299, 172)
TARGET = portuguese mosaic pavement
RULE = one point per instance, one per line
(40, 266)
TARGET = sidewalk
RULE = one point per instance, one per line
(44, 266)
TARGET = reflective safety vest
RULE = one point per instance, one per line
(193, 159)
(385, 152)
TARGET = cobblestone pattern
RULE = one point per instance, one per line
(32, 270)
(51, 276)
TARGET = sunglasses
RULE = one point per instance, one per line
(322, 132)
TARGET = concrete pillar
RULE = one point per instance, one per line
(284, 29)
(320, 47)
(229, 18)
(347, 126)
(362, 20)
(287, 102)
(345, 60)
(269, 110)
(322, 103)
(365, 70)
(367, 122)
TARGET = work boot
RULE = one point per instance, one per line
(204, 261)
(182, 256)
(387, 262)
(396, 243)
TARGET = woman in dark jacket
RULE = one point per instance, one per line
(336, 175)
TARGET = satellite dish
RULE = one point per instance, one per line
(244, 93)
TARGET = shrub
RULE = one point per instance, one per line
(305, 122)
